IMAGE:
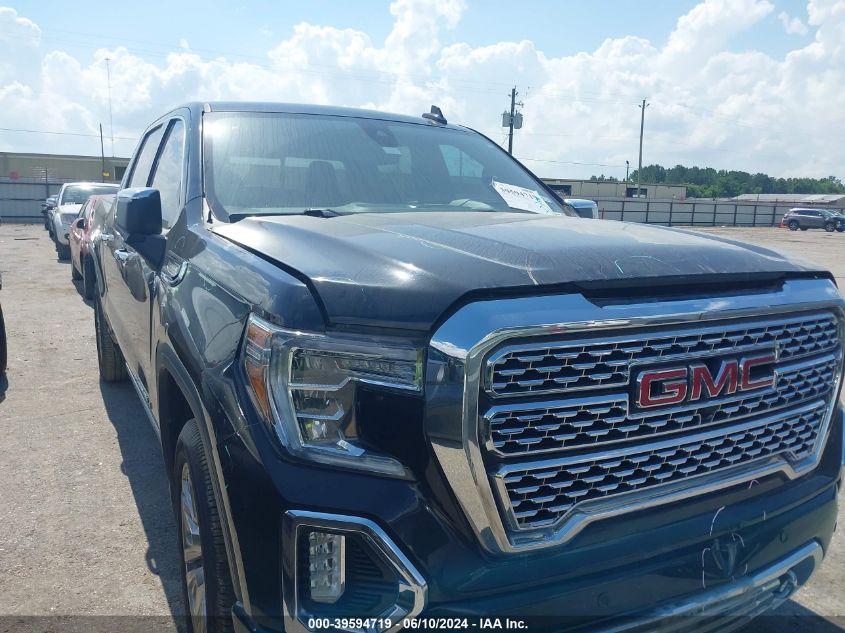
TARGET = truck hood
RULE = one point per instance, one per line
(404, 270)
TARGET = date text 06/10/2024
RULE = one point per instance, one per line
(429, 624)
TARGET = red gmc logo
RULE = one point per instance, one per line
(662, 387)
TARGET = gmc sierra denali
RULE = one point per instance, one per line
(396, 384)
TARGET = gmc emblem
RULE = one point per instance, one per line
(662, 387)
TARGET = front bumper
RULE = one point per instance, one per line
(61, 232)
(708, 553)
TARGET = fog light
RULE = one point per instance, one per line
(326, 566)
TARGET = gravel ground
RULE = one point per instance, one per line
(85, 523)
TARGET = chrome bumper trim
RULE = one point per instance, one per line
(454, 374)
(742, 599)
(413, 589)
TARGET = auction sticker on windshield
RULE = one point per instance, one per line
(522, 198)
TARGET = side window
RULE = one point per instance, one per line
(146, 156)
(167, 176)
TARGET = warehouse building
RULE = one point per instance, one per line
(603, 189)
(15, 166)
(26, 179)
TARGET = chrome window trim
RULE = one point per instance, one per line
(454, 375)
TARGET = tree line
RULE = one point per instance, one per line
(707, 182)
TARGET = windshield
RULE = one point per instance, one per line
(77, 194)
(271, 163)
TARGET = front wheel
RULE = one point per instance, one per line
(793, 225)
(63, 251)
(3, 351)
(804, 228)
(89, 277)
(207, 584)
(109, 357)
(829, 227)
(840, 229)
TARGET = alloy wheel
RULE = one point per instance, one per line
(192, 553)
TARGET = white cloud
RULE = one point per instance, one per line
(713, 101)
(792, 25)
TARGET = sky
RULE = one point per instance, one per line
(756, 85)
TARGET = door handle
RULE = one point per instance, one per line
(121, 255)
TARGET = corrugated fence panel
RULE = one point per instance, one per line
(693, 212)
(20, 200)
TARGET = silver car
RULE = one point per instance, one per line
(71, 197)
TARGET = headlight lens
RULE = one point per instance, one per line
(305, 386)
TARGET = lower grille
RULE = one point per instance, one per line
(540, 496)
(551, 449)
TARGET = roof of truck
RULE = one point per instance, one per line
(302, 108)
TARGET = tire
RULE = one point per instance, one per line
(803, 228)
(840, 229)
(3, 350)
(63, 251)
(829, 227)
(89, 277)
(109, 357)
(203, 550)
(793, 225)
(74, 274)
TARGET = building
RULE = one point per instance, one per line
(604, 189)
(26, 179)
(53, 168)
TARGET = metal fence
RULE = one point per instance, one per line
(694, 212)
(20, 200)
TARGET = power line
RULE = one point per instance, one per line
(568, 162)
(54, 132)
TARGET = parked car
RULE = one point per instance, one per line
(392, 378)
(71, 197)
(584, 208)
(46, 206)
(83, 231)
(799, 218)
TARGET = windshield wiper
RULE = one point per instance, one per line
(317, 212)
(321, 212)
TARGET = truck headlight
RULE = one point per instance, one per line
(304, 384)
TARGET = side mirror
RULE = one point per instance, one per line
(139, 211)
(138, 216)
(79, 223)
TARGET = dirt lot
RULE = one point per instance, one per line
(85, 525)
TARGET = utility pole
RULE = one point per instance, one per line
(102, 156)
(513, 119)
(642, 126)
(510, 126)
(111, 121)
(627, 167)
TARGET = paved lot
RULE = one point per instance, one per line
(85, 525)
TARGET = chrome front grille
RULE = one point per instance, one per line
(539, 497)
(578, 365)
(558, 431)
(582, 422)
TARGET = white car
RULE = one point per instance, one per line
(71, 197)
(584, 208)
